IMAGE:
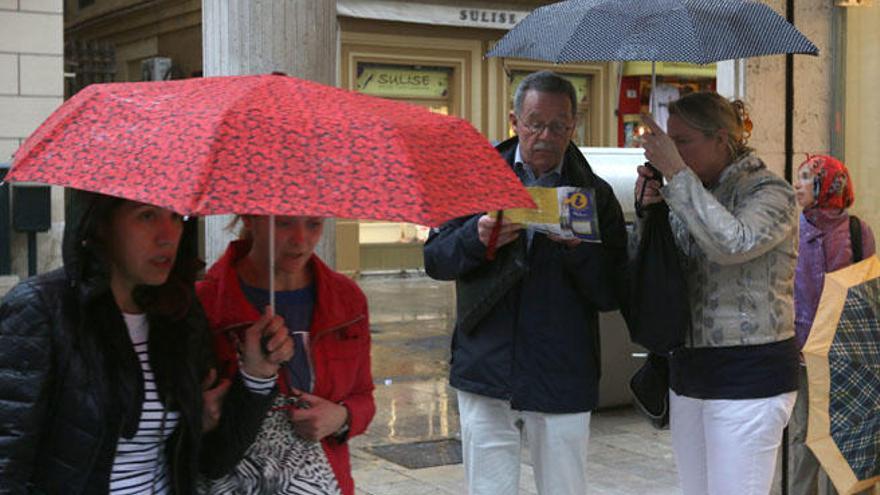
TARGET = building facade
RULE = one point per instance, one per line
(31, 87)
(430, 53)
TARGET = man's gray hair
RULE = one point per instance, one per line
(544, 81)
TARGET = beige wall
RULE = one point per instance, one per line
(862, 118)
(765, 90)
(31, 87)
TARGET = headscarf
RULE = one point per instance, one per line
(832, 186)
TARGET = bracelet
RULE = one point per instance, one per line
(342, 432)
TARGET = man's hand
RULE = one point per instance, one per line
(507, 233)
(323, 418)
(570, 243)
(212, 400)
(276, 340)
(660, 150)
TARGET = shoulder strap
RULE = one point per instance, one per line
(855, 237)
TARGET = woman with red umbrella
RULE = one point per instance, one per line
(733, 384)
(328, 386)
(106, 376)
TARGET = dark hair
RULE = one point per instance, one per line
(544, 81)
(708, 112)
(172, 299)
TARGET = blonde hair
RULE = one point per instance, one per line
(709, 112)
(243, 232)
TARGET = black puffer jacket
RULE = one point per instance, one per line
(70, 381)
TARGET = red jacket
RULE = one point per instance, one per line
(339, 339)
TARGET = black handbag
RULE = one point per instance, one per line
(659, 316)
(650, 389)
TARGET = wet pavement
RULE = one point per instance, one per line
(416, 421)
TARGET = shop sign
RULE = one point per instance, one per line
(431, 13)
(403, 82)
(671, 69)
(489, 18)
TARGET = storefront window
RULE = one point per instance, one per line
(673, 81)
(582, 86)
(420, 85)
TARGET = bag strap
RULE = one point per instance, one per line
(855, 237)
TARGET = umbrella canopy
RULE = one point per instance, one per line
(696, 31)
(843, 368)
(268, 144)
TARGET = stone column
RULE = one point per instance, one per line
(862, 111)
(297, 37)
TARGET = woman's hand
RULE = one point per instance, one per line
(269, 332)
(660, 150)
(321, 419)
(651, 187)
(506, 234)
(212, 400)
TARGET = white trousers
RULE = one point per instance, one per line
(727, 447)
(492, 438)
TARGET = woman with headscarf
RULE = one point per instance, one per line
(824, 190)
(733, 384)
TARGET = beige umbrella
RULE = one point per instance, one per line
(843, 369)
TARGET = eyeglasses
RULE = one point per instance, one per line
(557, 128)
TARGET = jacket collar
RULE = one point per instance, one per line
(745, 164)
(816, 222)
(575, 168)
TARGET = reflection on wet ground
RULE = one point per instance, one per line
(411, 321)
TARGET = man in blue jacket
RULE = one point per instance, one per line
(525, 353)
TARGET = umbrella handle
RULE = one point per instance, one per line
(493, 237)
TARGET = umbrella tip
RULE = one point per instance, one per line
(278, 73)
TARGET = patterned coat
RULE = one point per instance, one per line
(739, 239)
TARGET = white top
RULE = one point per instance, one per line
(140, 465)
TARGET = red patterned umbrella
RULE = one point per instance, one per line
(268, 144)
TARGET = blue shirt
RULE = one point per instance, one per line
(295, 307)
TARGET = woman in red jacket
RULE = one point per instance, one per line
(327, 387)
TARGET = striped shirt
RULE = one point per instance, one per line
(140, 465)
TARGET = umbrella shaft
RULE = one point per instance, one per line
(272, 264)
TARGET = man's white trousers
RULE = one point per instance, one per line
(727, 447)
(492, 437)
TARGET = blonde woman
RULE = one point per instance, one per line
(734, 383)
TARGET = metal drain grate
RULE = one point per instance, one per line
(418, 455)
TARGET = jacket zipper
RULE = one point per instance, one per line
(322, 333)
(336, 328)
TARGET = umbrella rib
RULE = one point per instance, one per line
(696, 35)
(203, 185)
(52, 128)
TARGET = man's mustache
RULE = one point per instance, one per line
(543, 146)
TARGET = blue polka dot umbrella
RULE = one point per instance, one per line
(695, 31)
(843, 370)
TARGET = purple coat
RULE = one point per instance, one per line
(824, 247)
